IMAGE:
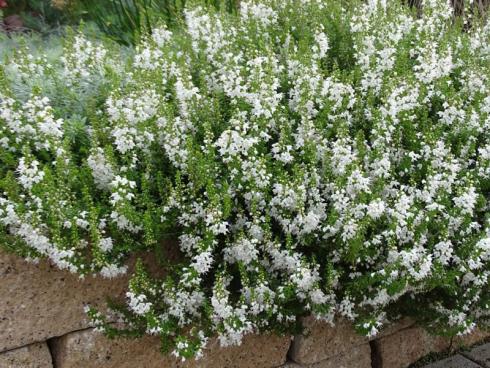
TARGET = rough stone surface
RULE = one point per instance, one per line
(291, 365)
(38, 301)
(357, 357)
(480, 354)
(321, 341)
(471, 339)
(457, 361)
(31, 356)
(394, 327)
(89, 349)
(405, 347)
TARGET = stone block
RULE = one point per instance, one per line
(470, 339)
(394, 327)
(30, 356)
(358, 357)
(479, 354)
(89, 349)
(39, 301)
(321, 341)
(291, 365)
(406, 346)
(457, 361)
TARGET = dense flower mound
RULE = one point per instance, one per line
(309, 158)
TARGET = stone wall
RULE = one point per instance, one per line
(43, 325)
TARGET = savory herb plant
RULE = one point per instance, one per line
(310, 156)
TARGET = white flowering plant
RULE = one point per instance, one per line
(310, 157)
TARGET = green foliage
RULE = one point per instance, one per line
(127, 21)
(306, 156)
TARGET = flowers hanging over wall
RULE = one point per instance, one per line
(309, 158)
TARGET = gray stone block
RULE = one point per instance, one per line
(457, 361)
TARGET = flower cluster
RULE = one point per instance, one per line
(310, 158)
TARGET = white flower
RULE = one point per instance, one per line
(106, 244)
(202, 262)
(443, 252)
(466, 201)
(161, 36)
(29, 173)
(102, 171)
(322, 41)
(244, 250)
(111, 271)
(138, 303)
(376, 209)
